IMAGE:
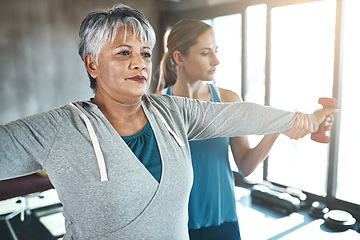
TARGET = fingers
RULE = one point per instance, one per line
(328, 122)
(303, 126)
(311, 127)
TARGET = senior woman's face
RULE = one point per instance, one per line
(123, 69)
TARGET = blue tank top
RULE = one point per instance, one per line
(144, 146)
(212, 198)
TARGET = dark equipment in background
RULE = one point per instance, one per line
(318, 209)
(337, 220)
(282, 200)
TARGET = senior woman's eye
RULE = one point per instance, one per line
(124, 53)
(146, 55)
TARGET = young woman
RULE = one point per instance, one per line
(187, 68)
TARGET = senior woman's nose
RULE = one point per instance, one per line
(138, 62)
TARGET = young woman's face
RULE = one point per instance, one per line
(123, 68)
(201, 61)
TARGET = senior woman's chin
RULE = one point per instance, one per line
(138, 91)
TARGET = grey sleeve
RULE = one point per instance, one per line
(26, 142)
(208, 120)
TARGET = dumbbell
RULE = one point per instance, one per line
(320, 136)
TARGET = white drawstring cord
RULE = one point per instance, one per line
(96, 145)
(177, 139)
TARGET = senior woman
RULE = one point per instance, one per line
(120, 162)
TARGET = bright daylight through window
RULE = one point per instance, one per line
(302, 63)
(302, 47)
(349, 164)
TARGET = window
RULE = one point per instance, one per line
(302, 61)
(348, 161)
(255, 53)
(228, 73)
(290, 59)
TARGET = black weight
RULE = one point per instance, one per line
(339, 220)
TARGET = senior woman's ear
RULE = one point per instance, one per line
(91, 65)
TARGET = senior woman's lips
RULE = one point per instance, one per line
(138, 78)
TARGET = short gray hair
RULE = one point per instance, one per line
(102, 25)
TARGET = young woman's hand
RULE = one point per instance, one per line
(302, 127)
(303, 124)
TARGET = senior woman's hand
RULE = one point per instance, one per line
(326, 115)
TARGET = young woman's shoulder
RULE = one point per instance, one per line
(229, 96)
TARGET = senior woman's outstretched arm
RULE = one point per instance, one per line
(26, 142)
(205, 120)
